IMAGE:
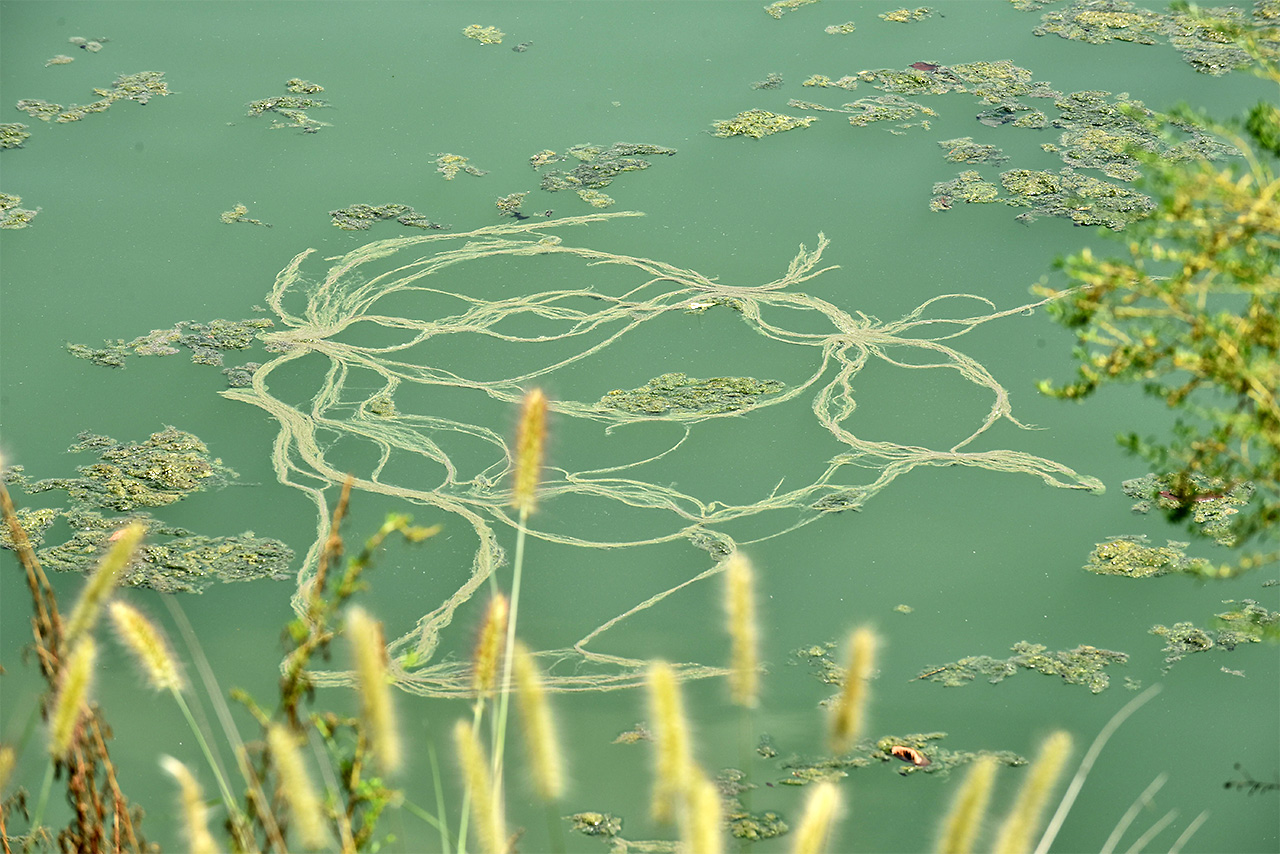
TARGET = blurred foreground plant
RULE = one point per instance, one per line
(1193, 313)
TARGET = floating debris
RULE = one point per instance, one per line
(12, 216)
(1080, 198)
(484, 35)
(840, 29)
(1131, 557)
(60, 59)
(522, 47)
(965, 150)
(449, 165)
(903, 609)
(740, 821)
(819, 658)
(781, 7)
(676, 392)
(90, 45)
(760, 123)
(13, 134)
(293, 107)
(1211, 504)
(359, 217)
(239, 213)
(906, 16)
(1080, 666)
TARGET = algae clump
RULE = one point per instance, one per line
(760, 123)
(676, 392)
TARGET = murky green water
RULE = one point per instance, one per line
(128, 239)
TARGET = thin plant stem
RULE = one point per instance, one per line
(227, 797)
(1086, 764)
(505, 698)
(443, 823)
(1130, 814)
(37, 815)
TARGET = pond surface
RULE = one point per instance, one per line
(881, 455)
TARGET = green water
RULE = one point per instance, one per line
(128, 239)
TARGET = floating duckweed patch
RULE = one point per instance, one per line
(1202, 44)
(13, 216)
(509, 205)
(167, 467)
(874, 752)
(1248, 620)
(206, 341)
(140, 87)
(597, 167)
(1083, 665)
(969, 186)
(1101, 21)
(1082, 199)
(164, 469)
(760, 123)
(840, 29)
(886, 108)
(740, 821)
(60, 59)
(1131, 557)
(772, 80)
(906, 16)
(449, 165)
(781, 7)
(13, 134)
(240, 213)
(359, 217)
(484, 35)
(1212, 505)
(965, 150)
(595, 198)
(595, 824)
(241, 376)
(182, 563)
(678, 393)
(824, 82)
(292, 108)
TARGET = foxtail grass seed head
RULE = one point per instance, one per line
(530, 439)
(744, 636)
(486, 812)
(702, 817)
(372, 680)
(73, 690)
(103, 580)
(8, 759)
(1016, 835)
(671, 741)
(488, 654)
(296, 787)
(821, 809)
(849, 713)
(195, 815)
(148, 646)
(539, 726)
(960, 828)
